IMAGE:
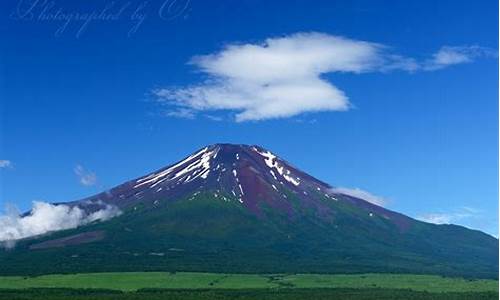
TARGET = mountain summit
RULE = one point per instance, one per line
(250, 175)
(240, 208)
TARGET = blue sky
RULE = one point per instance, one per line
(407, 111)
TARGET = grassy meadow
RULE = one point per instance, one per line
(134, 281)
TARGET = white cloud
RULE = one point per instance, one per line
(183, 113)
(284, 77)
(447, 56)
(361, 194)
(464, 216)
(437, 218)
(86, 177)
(5, 164)
(456, 216)
(45, 217)
(280, 78)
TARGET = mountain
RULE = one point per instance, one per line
(239, 208)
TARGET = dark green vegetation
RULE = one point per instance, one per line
(208, 234)
(247, 294)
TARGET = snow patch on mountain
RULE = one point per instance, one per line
(272, 162)
(198, 165)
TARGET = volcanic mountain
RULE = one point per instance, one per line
(239, 208)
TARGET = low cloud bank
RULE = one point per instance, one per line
(45, 217)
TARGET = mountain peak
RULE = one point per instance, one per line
(234, 148)
(248, 174)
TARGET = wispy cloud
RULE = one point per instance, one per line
(361, 194)
(448, 56)
(283, 77)
(184, 113)
(439, 218)
(466, 216)
(454, 216)
(45, 217)
(4, 164)
(86, 177)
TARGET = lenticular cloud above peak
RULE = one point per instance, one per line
(298, 56)
(283, 76)
(277, 79)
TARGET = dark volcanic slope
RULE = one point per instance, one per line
(238, 208)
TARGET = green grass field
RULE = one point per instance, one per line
(183, 280)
